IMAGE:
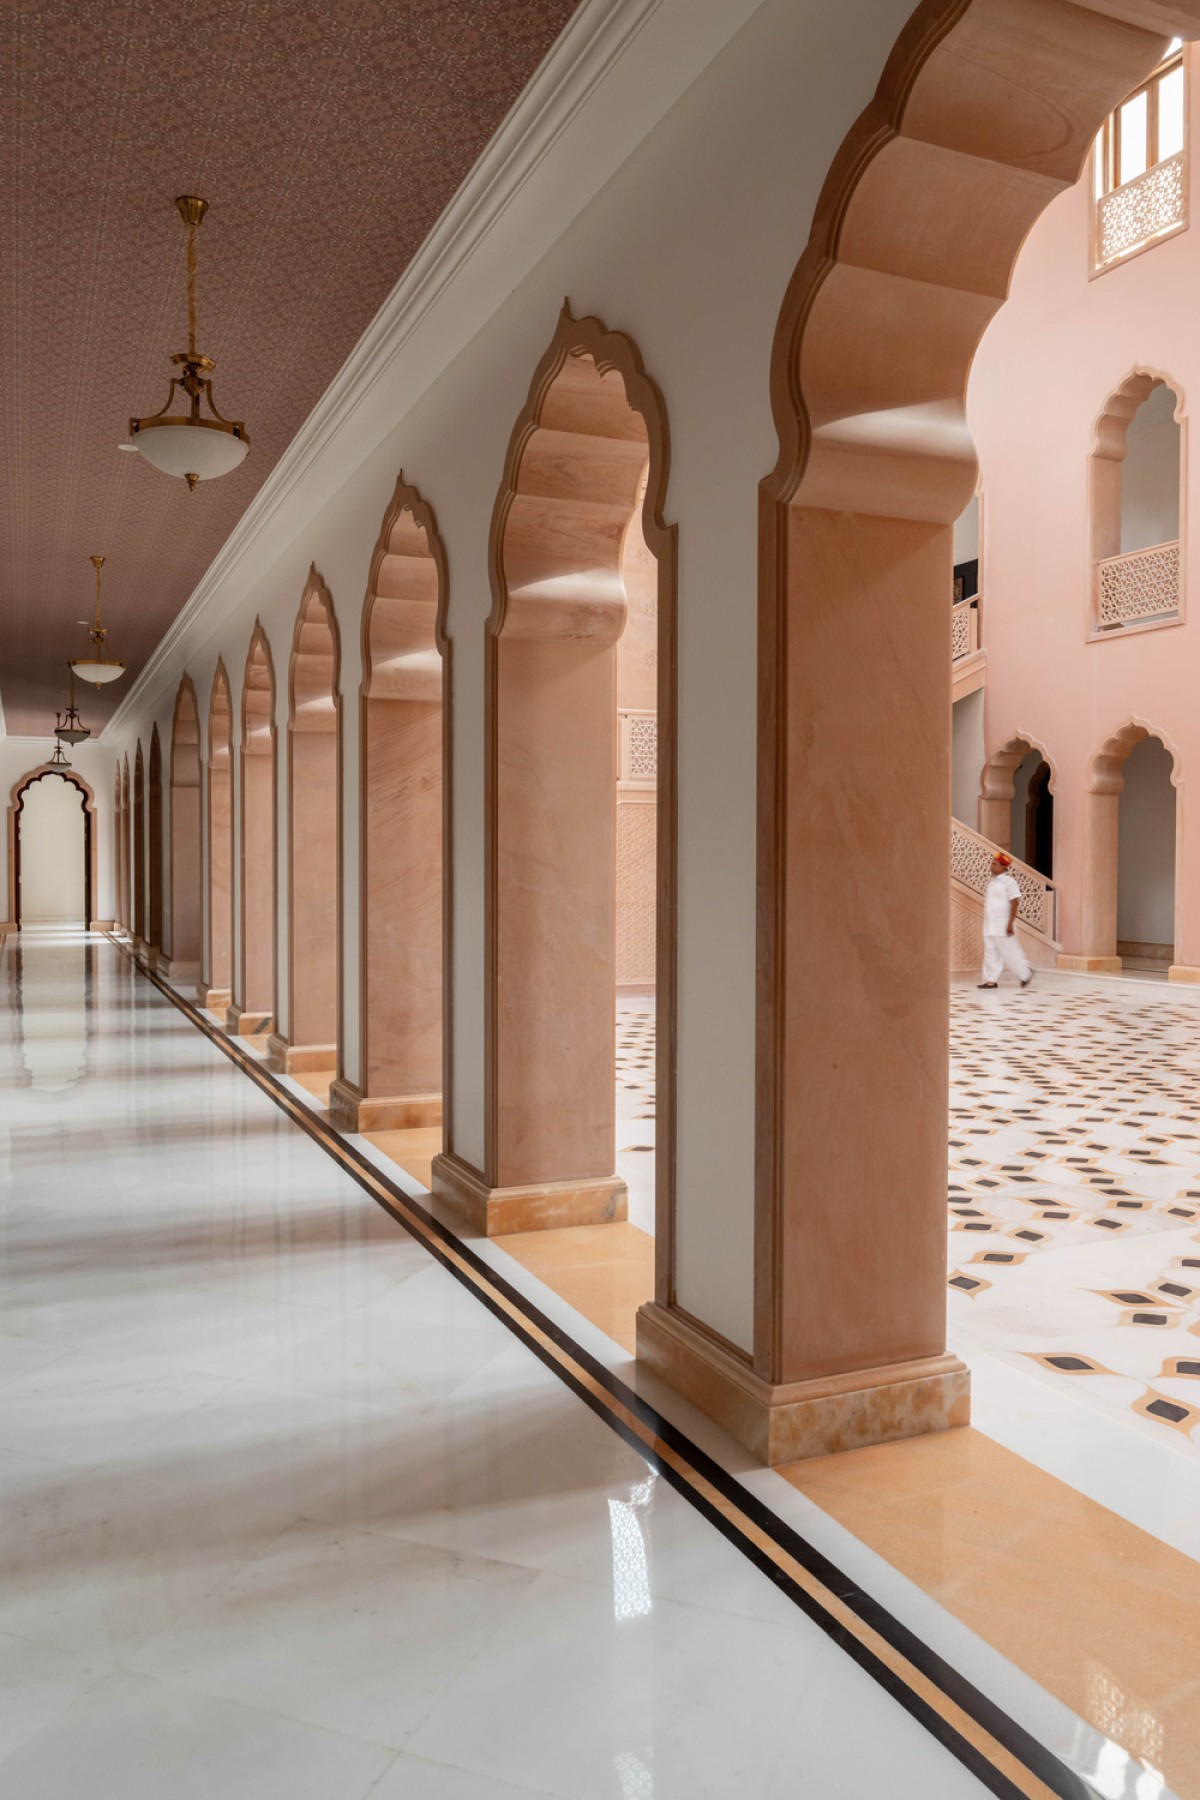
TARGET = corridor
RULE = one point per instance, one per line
(288, 1512)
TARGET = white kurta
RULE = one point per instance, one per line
(1000, 951)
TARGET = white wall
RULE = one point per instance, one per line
(52, 828)
(966, 533)
(1146, 848)
(966, 757)
(96, 764)
(1150, 473)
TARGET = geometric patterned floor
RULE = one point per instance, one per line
(1074, 1186)
(1074, 1192)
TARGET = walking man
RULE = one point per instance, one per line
(1001, 945)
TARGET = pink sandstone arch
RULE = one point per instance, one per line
(402, 738)
(183, 948)
(1101, 820)
(216, 988)
(997, 785)
(593, 423)
(139, 849)
(252, 1007)
(313, 865)
(986, 110)
(15, 801)
(154, 871)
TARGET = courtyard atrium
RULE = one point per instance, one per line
(600, 921)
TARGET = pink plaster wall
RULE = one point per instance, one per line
(1055, 352)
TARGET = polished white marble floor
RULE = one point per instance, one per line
(286, 1512)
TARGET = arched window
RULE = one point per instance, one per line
(1137, 500)
(1138, 164)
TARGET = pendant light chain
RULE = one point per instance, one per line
(193, 227)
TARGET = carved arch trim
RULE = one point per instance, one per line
(16, 799)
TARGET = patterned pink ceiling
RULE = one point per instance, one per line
(327, 136)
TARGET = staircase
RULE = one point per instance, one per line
(970, 871)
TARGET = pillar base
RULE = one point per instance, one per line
(539, 1206)
(1088, 965)
(96, 925)
(1183, 972)
(299, 1059)
(241, 1023)
(802, 1418)
(214, 999)
(180, 974)
(352, 1110)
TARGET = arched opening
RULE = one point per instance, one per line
(1016, 803)
(985, 111)
(1129, 854)
(252, 1009)
(124, 859)
(578, 516)
(51, 849)
(118, 836)
(401, 723)
(215, 990)
(309, 1047)
(139, 850)
(1137, 498)
(154, 871)
(183, 950)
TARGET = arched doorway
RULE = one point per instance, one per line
(183, 950)
(252, 1009)
(215, 988)
(309, 1046)
(401, 724)
(154, 872)
(1016, 803)
(1129, 853)
(980, 113)
(139, 850)
(51, 848)
(587, 458)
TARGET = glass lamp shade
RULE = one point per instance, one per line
(182, 447)
(98, 672)
(72, 735)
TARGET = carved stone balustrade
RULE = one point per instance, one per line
(971, 863)
(1137, 587)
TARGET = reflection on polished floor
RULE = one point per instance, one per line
(288, 1512)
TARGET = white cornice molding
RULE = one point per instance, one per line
(597, 38)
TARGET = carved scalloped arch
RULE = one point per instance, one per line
(220, 717)
(1106, 769)
(985, 111)
(258, 693)
(404, 614)
(578, 437)
(997, 781)
(314, 668)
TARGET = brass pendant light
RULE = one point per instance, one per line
(99, 667)
(69, 728)
(185, 444)
(59, 759)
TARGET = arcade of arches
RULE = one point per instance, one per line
(603, 885)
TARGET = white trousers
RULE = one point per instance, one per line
(1000, 953)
